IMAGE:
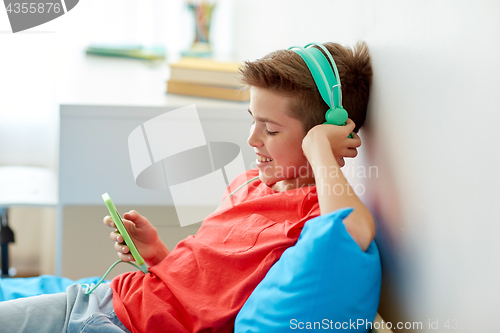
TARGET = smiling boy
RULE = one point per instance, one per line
(296, 156)
(202, 284)
(293, 146)
(288, 158)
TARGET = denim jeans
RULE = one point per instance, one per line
(72, 311)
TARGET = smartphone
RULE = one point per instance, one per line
(122, 230)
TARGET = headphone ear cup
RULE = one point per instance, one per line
(337, 116)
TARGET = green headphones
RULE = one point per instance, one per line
(327, 82)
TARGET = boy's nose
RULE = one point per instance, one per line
(253, 138)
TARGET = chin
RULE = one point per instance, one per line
(266, 180)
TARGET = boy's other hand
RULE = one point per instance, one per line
(144, 235)
(337, 137)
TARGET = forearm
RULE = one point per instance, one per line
(160, 254)
(335, 192)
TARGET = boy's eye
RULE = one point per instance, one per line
(271, 133)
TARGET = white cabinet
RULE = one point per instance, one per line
(95, 122)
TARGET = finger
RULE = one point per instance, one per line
(355, 136)
(125, 257)
(131, 215)
(120, 248)
(115, 235)
(108, 221)
(354, 142)
(350, 124)
(136, 218)
(351, 152)
(341, 162)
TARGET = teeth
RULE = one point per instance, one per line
(263, 159)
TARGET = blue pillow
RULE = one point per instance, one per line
(323, 282)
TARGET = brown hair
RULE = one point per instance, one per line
(285, 72)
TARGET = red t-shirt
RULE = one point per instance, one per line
(203, 283)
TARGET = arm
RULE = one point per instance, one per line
(144, 235)
(325, 147)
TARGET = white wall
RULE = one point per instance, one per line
(34, 63)
(432, 135)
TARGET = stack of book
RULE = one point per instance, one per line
(207, 78)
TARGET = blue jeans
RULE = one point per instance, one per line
(72, 311)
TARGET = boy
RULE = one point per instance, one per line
(201, 285)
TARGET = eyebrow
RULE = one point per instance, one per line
(265, 120)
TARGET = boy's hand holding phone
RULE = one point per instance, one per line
(144, 235)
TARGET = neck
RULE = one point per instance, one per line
(290, 184)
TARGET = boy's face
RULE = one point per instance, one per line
(277, 140)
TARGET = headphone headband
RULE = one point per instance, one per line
(334, 66)
(327, 78)
(320, 78)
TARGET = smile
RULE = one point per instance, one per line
(263, 159)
